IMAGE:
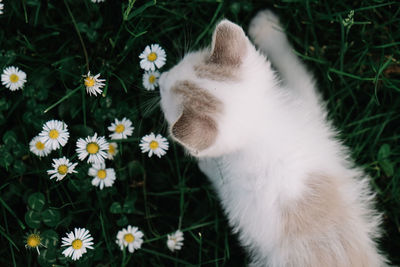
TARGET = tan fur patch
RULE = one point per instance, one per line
(322, 204)
(196, 128)
(216, 72)
(318, 225)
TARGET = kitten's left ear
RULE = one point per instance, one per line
(196, 129)
(229, 44)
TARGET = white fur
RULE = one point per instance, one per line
(272, 134)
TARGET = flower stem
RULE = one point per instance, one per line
(79, 35)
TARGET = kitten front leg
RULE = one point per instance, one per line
(268, 35)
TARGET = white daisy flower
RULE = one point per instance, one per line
(112, 150)
(102, 177)
(38, 148)
(150, 80)
(33, 241)
(62, 167)
(121, 129)
(77, 242)
(94, 147)
(97, 1)
(1, 7)
(154, 144)
(93, 84)
(130, 237)
(153, 56)
(13, 78)
(54, 134)
(175, 241)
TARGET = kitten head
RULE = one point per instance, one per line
(209, 97)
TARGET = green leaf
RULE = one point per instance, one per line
(129, 204)
(80, 185)
(384, 152)
(19, 150)
(10, 138)
(115, 208)
(32, 219)
(81, 130)
(36, 201)
(122, 221)
(2, 119)
(138, 10)
(384, 161)
(4, 105)
(387, 167)
(129, 207)
(47, 257)
(135, 168)
(42, 78)
(51, 217)
(6, 158)
(49, 238)
(19, 167)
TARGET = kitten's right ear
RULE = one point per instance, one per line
(229, 44)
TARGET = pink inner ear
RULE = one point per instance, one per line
(196, 128)
(195, 131)
(229, 46)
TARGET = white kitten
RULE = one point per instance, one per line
(285, 182)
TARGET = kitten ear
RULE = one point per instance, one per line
(229, 44)
(194, 131)
(196, 128)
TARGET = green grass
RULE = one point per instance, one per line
(357, 70)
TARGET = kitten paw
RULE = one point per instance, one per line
(266, 30)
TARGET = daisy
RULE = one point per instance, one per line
(13, 78)
(102, 177)
(33, 241)
(121, 129)
(97, 1)
(93, 84)
(38, 148)
(175, 241)
(153, 56)
(62, 167)
(1, 7)
(150, 80)
(112, 150)
(77, 242)
(94, 147)
(130, 237)
(154, 144)
(54, 134)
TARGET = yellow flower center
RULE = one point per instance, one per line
(89, 82)
(111, 149)
(120, 128)
(62, 169)
(33, 240)
(39, 145)
(101, 174)
(77, 244)
(153, 145)
(92, 148)
(129, 238)
(152, 56)
(152, 79)
(53, 134)
(14, 78)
